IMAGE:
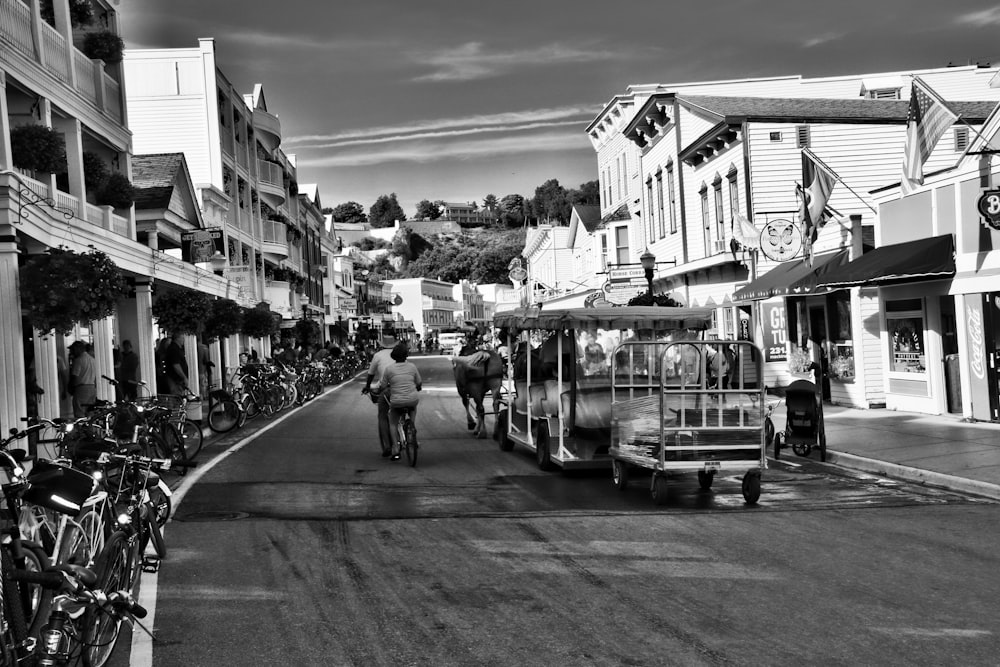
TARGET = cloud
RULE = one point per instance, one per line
(471, 61)
(425, 152)
(368, 141)
(508, 119)
(980, 19)
(822, 39)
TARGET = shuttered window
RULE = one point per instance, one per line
(802, 136)
(961, 139)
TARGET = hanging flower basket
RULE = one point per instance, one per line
(62, 288)
(116, 191)
(259, 322)
(38, 148)
(104, 45)
(225, 319)
(308, 333)
(182, 311)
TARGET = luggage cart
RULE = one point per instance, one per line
(804, 428)
(696, 422)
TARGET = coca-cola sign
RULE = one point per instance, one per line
(977, 350)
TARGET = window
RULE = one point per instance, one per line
(802, 136)
(706, 220)
(734, 194)
(621, 245)
(775, 136)
(720, 215)
(604, 252)
(649, 210)
(961, 139)
(904, 322)
(884, 94)
(659, 204)
(673, 198)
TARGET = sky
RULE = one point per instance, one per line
(457, 99)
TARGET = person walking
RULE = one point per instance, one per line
(83, 379)
(176, 367)
(380, 361)
(400, 382)
(129, 370)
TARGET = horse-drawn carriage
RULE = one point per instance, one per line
(561, 377)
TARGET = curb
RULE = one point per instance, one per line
(915, 475)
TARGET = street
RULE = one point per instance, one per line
(305, 547)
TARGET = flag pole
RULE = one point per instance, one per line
(824, 165)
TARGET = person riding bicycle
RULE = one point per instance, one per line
(403, 381)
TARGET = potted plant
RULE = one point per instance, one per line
(62, 288)
(182, 311)
(225, 319)
(259, 321)
(81, 13)
(104, 45)
(38, 148)
(117, 191)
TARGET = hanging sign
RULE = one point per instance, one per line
(780, 240)
(989, 208)
(201, 245)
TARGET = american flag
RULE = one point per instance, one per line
(928, 118)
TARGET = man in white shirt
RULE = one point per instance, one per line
(380, 361)
(83, 374)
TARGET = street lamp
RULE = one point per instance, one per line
(648, 261)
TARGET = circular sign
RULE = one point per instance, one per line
(780, 240)
(397, 300)
(517, 274)
(989, 208)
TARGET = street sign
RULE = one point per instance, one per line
(627, 274)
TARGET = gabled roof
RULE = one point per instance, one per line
(154, 178)
(583, 214)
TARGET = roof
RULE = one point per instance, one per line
(735, 109)
(924, 259)
(154, 177)
(589, 215)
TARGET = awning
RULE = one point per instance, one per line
(792, 278)
(924, 259)
(664, 318)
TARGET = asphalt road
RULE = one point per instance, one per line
(305, 547)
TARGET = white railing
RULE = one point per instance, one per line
(275, 232)
(120, 226)
(15, 24)
(66, 200)
(54, 52)
(269, 172)
(112, 96)
(86, 81)
(94, 214)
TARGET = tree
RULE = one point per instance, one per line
(482, 258)
(589, 194)
(511, 211)
(428, 210)
(550, 202)
(491, 206)
(349, 212)
(385, 211)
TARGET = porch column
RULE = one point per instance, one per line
(72, 130)
(215, 373)
(6, 160)
(47, 375)
(103, 331)
(143, 342)
(191, 354)
(13, 402)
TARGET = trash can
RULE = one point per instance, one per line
(953, 383)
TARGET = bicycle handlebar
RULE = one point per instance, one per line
(78, 581)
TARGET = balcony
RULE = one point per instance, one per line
(271, 182)
(65, 62)
(274, 242)
(82, 212)
(268, 128)
(278, 296)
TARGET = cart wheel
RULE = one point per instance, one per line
(619, 473)
(801, 449)
(705, 479)
(542, 450)
(751, 487)
(779, 444)
(658, 488)
(506, 444)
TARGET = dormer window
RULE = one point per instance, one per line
(882, 88)
(884, 94)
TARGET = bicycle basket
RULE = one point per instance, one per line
(58, 487)
(124, 419)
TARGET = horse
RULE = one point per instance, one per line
(477, 374)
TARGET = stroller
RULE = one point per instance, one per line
(804, 427)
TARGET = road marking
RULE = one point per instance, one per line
(935, 633)
(141, 654)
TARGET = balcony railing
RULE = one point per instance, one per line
(56, 57)
(99, 216)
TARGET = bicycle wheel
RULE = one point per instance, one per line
(410, 442)
(100, 628)
(153, 528)
(224, 416)
(249, 408)
(192, 438)
(290, 394)
(13, 610)
(162, 504)
(36, 600)
(170, 445)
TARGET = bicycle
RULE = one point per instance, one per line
(406, 436)
(223, 411)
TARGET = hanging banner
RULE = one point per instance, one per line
(201, 245)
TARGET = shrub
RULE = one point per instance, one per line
(104, 45)
(225, 319)
(259, 322)
(38, 148)
(182, 311)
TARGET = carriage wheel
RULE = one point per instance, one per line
(619, 474)
(779, 444)
(802, 449)
(705, 479)
(542, 454)
(658, 488)
(506, 444)
(751, 487)
(769, 435)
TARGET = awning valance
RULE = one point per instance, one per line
(663, 318)
(792, 278)
(924, 259)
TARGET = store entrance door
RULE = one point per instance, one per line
(950, 358)
(992, 347)
(818, 334)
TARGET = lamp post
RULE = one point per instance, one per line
(648, 261)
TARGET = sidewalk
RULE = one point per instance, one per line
(937, 450)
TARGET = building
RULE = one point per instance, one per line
(429, 304)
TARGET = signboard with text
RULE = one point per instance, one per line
(775, 330)
(201, 245)
(241, 279)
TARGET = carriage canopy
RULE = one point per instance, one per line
(622, 317)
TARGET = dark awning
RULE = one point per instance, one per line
(923, 259)
(792, 278)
